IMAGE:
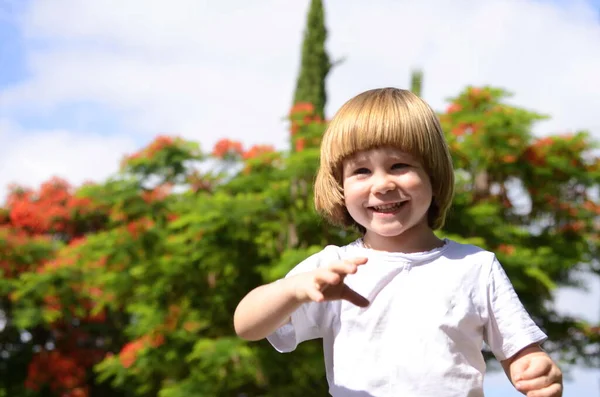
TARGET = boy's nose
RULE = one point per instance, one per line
(383, 184)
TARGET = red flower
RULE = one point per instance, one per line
(257, 151)
(50, 209)
(157, 194)
(130, 351)
(509, 158)
(226, 147)
(574, 227)
(77, 392)
(592, 207)
(302, 107)
(506, 249)
(474, 91)
(294, 128)
(142, 225)
(544, 142)
(453, 108)
(158, 144)
(536, 152)
(462, 129)
(61, 372)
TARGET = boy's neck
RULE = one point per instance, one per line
(417, 239)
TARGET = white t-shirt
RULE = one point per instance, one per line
(424, 329)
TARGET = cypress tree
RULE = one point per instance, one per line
(416, 82)
(315, 63)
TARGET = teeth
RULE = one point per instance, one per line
(387, 207)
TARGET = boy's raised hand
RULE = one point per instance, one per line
(327, 283)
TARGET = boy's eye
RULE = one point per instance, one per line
(399, 166)
(361, 171)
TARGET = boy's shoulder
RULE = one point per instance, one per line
(466, 250)
(469, 255)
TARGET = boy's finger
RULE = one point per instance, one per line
(354, 297)
(526, 386)
(536, 368)
(554, 390)
(353, 264)
(327, 278)
(359, 260)
(348, 266)
(315, 295)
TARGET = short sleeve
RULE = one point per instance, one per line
(312, 319)
(509, 328)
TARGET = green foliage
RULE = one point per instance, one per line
(416, 82)
(168, 251)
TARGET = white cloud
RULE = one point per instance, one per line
(31, 158)
(545, 54)
(228, 68)
(183, 67)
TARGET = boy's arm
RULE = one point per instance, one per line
(268, 307)
(533, 373)
(265, 308)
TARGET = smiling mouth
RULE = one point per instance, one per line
(387, 208)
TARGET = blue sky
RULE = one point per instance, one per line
(12, 54)
(83, 83)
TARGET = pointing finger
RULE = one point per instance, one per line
(327, 277)
(354, 297)
(355, 263)
(359, 260)
(348, 266)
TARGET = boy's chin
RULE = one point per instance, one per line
(385, 233)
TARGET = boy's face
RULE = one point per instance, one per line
(388, 192)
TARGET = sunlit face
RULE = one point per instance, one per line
(388, 192)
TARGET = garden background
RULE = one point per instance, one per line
(156, 162)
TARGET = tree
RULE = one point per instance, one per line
(315, 64)
(128, 287)
(416, 82)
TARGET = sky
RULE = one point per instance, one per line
(83, 83)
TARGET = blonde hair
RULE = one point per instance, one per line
(379, 118)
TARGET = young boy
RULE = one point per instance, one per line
(400, 311)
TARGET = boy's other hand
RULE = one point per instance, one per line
(536, 375)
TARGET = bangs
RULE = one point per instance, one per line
(379, 119)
